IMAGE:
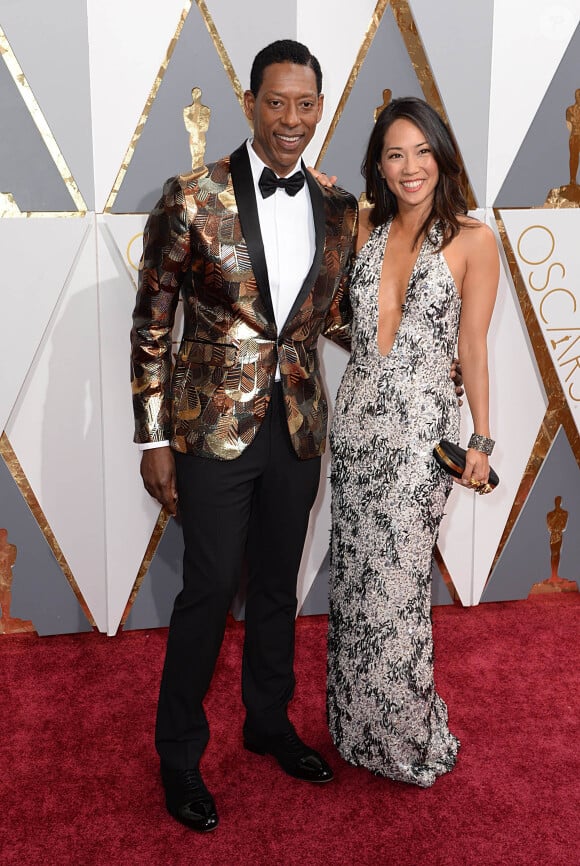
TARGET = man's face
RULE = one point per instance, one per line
(284, 114)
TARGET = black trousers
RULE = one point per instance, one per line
(256, 505)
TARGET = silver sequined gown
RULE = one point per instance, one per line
(388, 496)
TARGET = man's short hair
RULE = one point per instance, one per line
(283, 51)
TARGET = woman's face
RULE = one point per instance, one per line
(407, 164)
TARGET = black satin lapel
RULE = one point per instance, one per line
(319, 214)
(248, 213)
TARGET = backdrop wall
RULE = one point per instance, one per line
(93, 96)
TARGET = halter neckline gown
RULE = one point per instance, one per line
(388, 497)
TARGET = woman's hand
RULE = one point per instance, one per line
(476, 474)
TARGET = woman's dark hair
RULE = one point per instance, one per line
(283, 51)
(449, 199)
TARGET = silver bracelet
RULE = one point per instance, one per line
(481, 443)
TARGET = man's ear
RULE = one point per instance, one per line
(320, 107)
(249, 103)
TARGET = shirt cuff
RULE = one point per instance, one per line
(145, 446)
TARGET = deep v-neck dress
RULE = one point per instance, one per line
(388, 496)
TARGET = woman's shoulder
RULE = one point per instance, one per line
(468, 222)
(473, 234)
(474, 249)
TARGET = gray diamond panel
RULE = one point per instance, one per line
(163, 148)
(27, 169)
(541, 163)
(387, 65)
(525, 559)
(40, 591)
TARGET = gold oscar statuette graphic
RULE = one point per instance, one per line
(196, 119)
(9, 624)
(569, 195)
(573, 124)
(387, 94)
(556, 521)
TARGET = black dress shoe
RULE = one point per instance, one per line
(295, 757)
(188, 800)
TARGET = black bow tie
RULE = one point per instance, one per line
(269, 183)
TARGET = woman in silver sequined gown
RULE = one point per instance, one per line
(388, 494)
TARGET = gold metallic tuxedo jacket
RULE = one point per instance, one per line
(203, 239)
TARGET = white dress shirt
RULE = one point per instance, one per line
(287, 227)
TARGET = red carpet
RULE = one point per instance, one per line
(78, 772)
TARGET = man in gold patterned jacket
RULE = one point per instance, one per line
(232, 439)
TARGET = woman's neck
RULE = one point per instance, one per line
(410, 219)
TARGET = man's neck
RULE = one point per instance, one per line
(263, 164)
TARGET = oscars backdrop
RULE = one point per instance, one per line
(100, 103)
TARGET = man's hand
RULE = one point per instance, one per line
(158, 474)
(457, 377)
(322, 178)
